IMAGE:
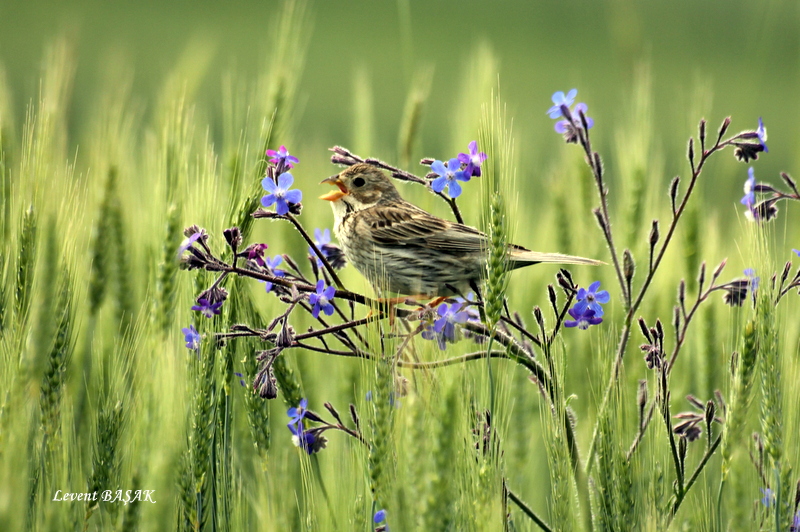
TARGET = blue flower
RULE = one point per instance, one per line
(591, 299)
(582, 319)
(797, 252)
(768, 497)
(191, 337)
(321, 299)
(241, 379)
(271, 264)
(444, 328)
(332, 253)
(303, 438)
(188, 242)
(380, 517)
(321, 238)
(297, 414)
(795, 523)
(282, 155)
(749, 198)
(280, 193)
(762, 134)
(559, 99)
(473, 160)
(751, 276)
(465, 305)
(207, 308)
(449, 176)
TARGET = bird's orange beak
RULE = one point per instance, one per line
(336, 194)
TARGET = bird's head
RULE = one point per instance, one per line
(360, 186)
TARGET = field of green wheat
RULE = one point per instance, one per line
(173, 355)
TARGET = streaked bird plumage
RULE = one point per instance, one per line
(401, 248)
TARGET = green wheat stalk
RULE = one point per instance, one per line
(105, 456)
(166, 280)
(442, 496)
(411, 122)
(63, 346)
(26, 264)
(121, 260)
(381, 455)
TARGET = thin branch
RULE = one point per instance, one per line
(527, 511)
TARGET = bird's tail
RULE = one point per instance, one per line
(524, 257)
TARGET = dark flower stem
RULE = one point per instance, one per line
(527, 511)
(317, 251)
(699, 469)
(680, 340)
(593, 160)
(634, 306)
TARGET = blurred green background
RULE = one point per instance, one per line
(747, 53)
(648, 71)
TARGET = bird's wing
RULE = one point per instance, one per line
(406, 225)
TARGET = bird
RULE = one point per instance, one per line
(403, 249)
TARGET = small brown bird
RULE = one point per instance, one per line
(401, 248)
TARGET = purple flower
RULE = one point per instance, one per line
(751, 276)
(302, 438)
(321, 238)
(591, 299)
(444, 328)
(298, 413)
(282, 155)
(559, 99)
(582, 320)
(378, 518)
(207, 308)
(768, 497)
(449, 176)
(795, 523)
(188, 242)
(191, 337)
(749, 198)
(241, 379)
(271, 264)
(321, 299)
(762, 134)
(280, 193)
(473, 160)
(797, 252)
(332, 253)
(256, 253)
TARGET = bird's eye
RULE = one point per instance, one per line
(359, 181)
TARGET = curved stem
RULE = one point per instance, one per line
(317, 251)
(527, 511)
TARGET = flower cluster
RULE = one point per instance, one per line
(690, 425)
(587, 311)
(444, 329)
(572, 123)
(305, 439)
(750, 143)
(462, 168)
(331, 252)
(278, 182)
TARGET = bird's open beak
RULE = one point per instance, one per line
(336, 194)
